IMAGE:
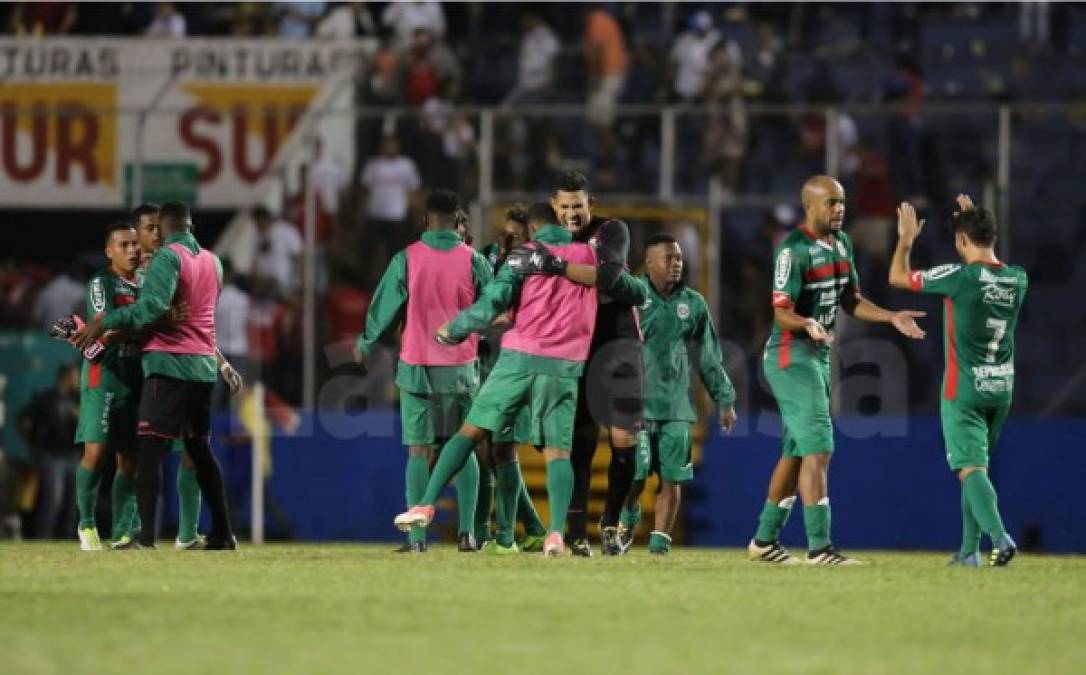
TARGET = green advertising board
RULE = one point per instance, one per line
(162, 182)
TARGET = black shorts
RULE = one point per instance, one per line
(611, 392)
(172, 408)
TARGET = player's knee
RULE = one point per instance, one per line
(964, 472)
(92, 454)
(473, 432)
(125, 466)
(623, 438)
(554, 454)
(816, 462)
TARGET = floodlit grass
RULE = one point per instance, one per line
(360, 609)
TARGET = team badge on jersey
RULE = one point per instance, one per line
(683, 310)
(784, 268)
(98, 295)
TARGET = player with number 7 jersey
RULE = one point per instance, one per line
(982, 300)
(981, 304)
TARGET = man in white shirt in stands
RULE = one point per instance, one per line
(535, 67)
(389, 180)
(404, 18)
(690, 57)
(278, 252)
(232, 330)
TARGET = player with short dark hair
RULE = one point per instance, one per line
(612, 382)
(814, 274)
(982, 300)
(109, 397)
(516, 231)
(424, 286)
(678, 329)
(145, 219)
(179, 368)
(533, 384)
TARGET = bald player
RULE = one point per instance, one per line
(814, 274)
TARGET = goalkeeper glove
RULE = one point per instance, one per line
(525, 260)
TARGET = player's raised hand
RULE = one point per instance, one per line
(905, 322)
(817, 332)
(908, 227)
(728, 418)
(89, 333)
(965, 203)
(442, 337)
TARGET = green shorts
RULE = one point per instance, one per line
(428, 419)
(970, 432)
(536, 409)
(802, 390)
(108, 417)
(664, 449)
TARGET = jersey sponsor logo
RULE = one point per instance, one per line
(784, 268)
(98, 295)
(994, 379)
(987, 277)
(818, 260)
(994, 294)
(995, 385)
(1002, 370)
(940, 272)
(828, 297)
(683, 310)
(814, 250)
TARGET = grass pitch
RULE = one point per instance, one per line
(360, 609)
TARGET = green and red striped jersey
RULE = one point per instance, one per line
(980, 312)
(118, 369)
(810, 276)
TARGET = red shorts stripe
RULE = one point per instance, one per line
(784, 352)
(950, 391)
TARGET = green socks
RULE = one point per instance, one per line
(416, 475)
(816, 520)
(453, 455)
(526, 513)
(188, 500)
(981, 496)
(467, 493)
(630, 518)
(484, 505)
(772, 520)
(970, 529)
(86, 495)
(510, 484)
(123, 498)
(559, 491)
